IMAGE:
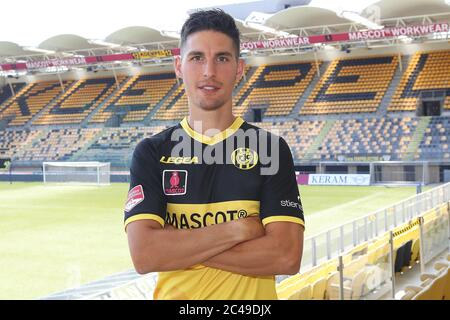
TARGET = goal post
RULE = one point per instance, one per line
(88, 172)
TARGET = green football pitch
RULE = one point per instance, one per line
(55, 237)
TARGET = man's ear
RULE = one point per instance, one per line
(177, 66)
(240, 69)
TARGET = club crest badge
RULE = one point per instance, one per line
(174, 182)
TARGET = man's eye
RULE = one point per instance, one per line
(196, 58)
(223, 59)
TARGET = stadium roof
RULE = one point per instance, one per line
(304, 16)
(245, 29)
(66, 42)
(88, 36)
(138, 34)
(8, 48)
(123, 37)
(405, 8)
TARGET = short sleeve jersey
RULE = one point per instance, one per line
(190, 180)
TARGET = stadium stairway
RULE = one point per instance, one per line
(240, 104)
(21, 92)
(127, 82)
(314, 147)
(86, 120)
(416, 138)
(248, 75)
(148, 120)
(4, 120)
(7, 117)
(386, 100)
(29, 123)
(296, 110)
(7, 96)
(76, 156)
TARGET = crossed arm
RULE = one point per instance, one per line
(241, 246)
(278, 251)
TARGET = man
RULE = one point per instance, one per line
(221, 229)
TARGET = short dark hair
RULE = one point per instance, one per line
(213, 19)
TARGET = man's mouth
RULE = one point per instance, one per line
(209, 88)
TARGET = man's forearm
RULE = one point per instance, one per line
(252, 257)
(172, 249)
(263, 256)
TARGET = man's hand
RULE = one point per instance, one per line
(278, 251)
(250, 228)
(168, 226)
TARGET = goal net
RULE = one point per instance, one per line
(91, 172)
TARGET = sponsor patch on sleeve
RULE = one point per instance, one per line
(135, 196)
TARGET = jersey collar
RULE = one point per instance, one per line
(217, 137)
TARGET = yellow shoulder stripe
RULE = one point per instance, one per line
(283, 219)
(144, 216)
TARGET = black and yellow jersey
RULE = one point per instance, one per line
(173, 180)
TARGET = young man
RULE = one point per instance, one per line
(208, 208)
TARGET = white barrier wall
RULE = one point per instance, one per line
(339, 179)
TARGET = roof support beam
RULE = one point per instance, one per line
(61, 83)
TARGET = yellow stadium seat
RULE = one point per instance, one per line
(304, 293)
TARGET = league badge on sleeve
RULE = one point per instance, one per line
(135, 196)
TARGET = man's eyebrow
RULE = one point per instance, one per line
(195, 53)
(199, 53)
(224, 53)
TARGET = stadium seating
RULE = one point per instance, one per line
(359, 137)
(426, 71)
(175, 107)
(100, 116)
(137, 97)
(115, 144)
(77, 102)
(374, 136)
(366, 268)
(434, 286)
(298, 134)
(57, 144)
(351, 86)
(31, 99)
(435, 142)
(12, 142)
(241, 95)
(275, 87)
(309, 285)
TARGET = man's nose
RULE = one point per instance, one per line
(209, 69)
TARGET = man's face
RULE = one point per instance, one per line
(209, 68)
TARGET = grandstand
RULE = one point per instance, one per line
(374, 136)
(375, 106)
(352, 85)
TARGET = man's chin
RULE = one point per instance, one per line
(210, 106)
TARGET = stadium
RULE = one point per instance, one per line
(360, 94)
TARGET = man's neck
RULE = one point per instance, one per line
(202, 121)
